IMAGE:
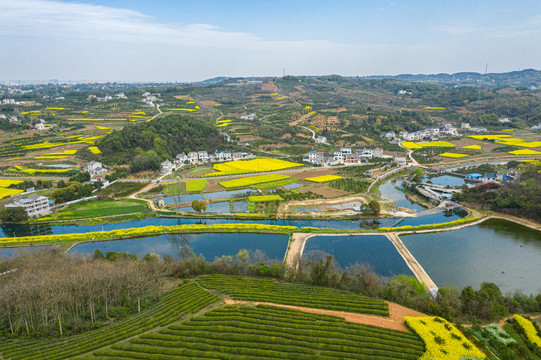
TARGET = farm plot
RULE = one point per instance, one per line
(184, 300)
(252, 180)
(196, 185)
(442, 340)
(269, 332)
(251, 166)
(265, 290)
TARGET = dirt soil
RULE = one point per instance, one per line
(395, 320)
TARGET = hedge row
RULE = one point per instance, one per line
(267, 290)
(186, 299)
(264, 332)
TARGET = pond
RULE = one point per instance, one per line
(61, 166)
(18, 230)
(373, 250)
(210, 246)
(445, 180)
(292, 186)
(389, 191)
(497, 251)
(219, 207)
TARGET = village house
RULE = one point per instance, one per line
(166, 167)
(95, 168)
(321, 140)
(400, 160)
(192, 157)
(203, 156)
(35, 205)
(223, 155)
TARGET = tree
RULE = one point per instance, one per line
(375, 207)
(199, 206)
(10, 215)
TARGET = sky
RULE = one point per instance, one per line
(184, 41)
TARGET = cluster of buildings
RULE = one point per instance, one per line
(477, 129)
(493, 177)
(431, 133)
(203, 157)
(343, 156)
(150, 99)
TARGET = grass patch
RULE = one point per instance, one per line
(121, 189)
(196, 185)
(264, 198)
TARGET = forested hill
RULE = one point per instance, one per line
(167, 136)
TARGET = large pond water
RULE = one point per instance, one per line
(375, 251)
(497, 251)
(13, 230)
(389, 191)
(445, 180)
(265, 246)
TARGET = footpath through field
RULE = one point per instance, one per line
(395, 321)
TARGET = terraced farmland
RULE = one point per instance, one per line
(184, 300)
(265, 332)
(266, 290)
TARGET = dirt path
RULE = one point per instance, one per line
(284, 209)
(412, 263)
(146, 188)
(395, 320)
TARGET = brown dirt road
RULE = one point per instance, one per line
(395, 320)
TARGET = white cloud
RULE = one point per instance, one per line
(83, 21)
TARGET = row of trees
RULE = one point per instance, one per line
(55, 294)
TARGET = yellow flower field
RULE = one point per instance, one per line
(324, 178)
(433, 108)
(488, 137)
(65, 152)
(55, 108)
(139, 113)
(252, 180)
(224, 121)
(442, 340)
(521, 143)
(246, 133)
(34, 171)
(281, 98)
(181, 109)
(52, 157)
(264, 198)
(472, 147)
(411, 145)
(94, 150)
(9, 192)
(529, 329)
(453, 155)
(251, 166)
(7, 182)
(525, 152)
(143, 231)
(508, 129)
(436, 144)
(196, 185)
(103, 128)
(222, 125)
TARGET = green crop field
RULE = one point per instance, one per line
(266, 290)
(268, 332)
(94, 209)
(184, 300)
(196, 185)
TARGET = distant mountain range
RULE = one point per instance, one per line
(525, 78)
